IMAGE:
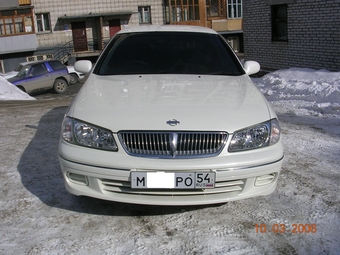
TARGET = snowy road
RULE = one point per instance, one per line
(38, 216)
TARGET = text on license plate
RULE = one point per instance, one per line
(162, 180)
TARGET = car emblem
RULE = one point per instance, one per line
(172, 122)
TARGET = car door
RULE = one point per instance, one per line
(38, 78)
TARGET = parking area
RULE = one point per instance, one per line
(40, 217)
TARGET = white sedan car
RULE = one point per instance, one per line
(169, 116)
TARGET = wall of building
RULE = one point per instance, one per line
(8, 3)
(313, 35)
(18, 43)
(61, 29)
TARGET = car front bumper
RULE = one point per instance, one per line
(113, 183)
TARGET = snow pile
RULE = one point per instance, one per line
(316, 91)
(10, 92)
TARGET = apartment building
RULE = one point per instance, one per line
(69, 30)
(224, 16)
(292, 33)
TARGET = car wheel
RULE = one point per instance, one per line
(73, 78)
(60, 86)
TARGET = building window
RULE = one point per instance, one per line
(184, 10)
(216, 8)
(279, 23)
(43, 22)
(234, 43)
(234, 9)
(144, 14)
(13, 22)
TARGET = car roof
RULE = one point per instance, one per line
(38, 61)
(28, 62)
(167, 28)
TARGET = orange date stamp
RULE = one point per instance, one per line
(283, 228)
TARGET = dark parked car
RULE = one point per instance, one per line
(42, 75)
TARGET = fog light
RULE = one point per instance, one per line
(265, 179)
(78, 178)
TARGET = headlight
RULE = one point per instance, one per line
(81, 133)
(261, 135)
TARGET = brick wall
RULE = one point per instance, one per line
(313, 35)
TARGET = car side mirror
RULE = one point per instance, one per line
(251, 67)
(83, 66)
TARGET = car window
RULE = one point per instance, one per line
(18, 68)
(24, 71)
(168, 52)
(38, 70)
(56, 65)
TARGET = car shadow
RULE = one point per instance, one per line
(41, 175)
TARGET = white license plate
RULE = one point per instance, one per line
(162, 180)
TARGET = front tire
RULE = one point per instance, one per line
(60, 86)
(73, 78)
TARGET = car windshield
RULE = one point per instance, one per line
(168, 53)
(24, 70)
(18, 68)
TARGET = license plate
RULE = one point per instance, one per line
(162, 180)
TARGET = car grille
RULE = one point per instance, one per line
(172, 144)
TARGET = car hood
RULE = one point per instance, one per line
(147, 102)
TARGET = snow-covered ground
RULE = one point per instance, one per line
(38, 216)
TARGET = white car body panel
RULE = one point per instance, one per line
(167, 28)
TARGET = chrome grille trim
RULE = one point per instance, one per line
(172, 144)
